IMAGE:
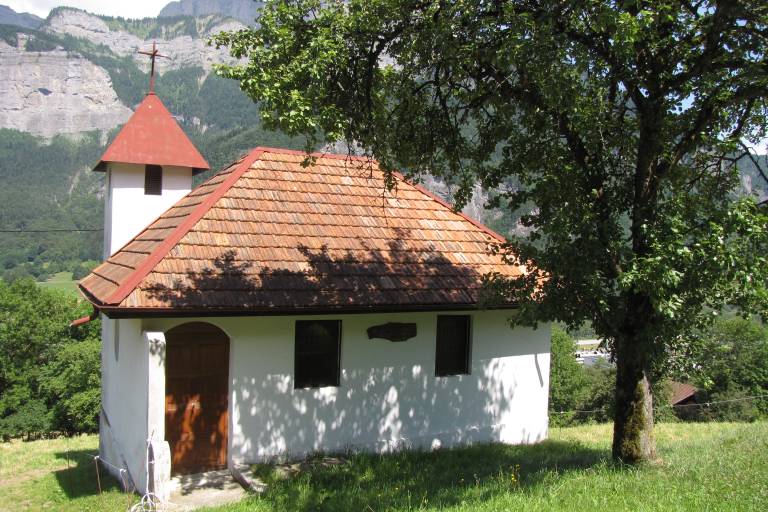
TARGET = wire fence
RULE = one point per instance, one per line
(702, 404)
(67, 230)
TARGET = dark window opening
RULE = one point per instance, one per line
(452, 355)
(317, 353)
(153, 180)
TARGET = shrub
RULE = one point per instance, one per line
(567, 379)
(733, 406)
(83, 269)
(601, 389)
(733, 364)
(49, 372)
(31, 419)
(71, 382)
(585, 394)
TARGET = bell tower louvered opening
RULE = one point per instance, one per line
(153, 180)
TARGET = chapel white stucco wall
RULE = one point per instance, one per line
(133, 402)
(124, 395)
(128, 210)
(389, 396)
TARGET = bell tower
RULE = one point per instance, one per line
(149, 167)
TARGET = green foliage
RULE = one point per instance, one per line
(8, 34)
(216, 103)
(734, 404)
(73, 378)
(568, 381)
(30, 419)
(600, 398)
(618, 122)
(83, 269)
(586, 394)
(577, 394)
(49, 372)
(226, 107)
(732, 364)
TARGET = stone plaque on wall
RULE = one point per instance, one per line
(393, 331)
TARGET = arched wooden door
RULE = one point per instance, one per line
(196, 404)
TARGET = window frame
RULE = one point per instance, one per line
(150, 181)
(467, 366)
(303, 384)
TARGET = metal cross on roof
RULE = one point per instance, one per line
(152, 56)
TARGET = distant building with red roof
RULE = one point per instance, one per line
(682, 393)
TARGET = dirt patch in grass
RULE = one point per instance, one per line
(20, 478)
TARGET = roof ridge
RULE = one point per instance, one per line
(448, 205)
(162, 215)
(133, 280)
(316, 154)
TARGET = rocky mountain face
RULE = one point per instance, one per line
(49, 93)
(182, 48)
(22, 19)
(60, 79)
(241, 10)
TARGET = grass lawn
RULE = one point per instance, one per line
(61, 281)
(55, 474)
(703, 467)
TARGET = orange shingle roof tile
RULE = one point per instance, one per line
(270, 235)
(152, 136)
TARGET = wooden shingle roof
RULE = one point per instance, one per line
(268, 235)
(152, 136)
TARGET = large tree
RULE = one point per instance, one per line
(614, 127)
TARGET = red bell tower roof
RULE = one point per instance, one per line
(152, 136)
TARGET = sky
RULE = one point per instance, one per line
(124, 8)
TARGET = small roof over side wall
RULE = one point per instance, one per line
(268, 235)
(152, 136)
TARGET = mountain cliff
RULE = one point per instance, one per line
(242, 10)
(49, 93)
(80, 72)
(181, 39)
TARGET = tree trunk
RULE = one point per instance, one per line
(633, 416)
